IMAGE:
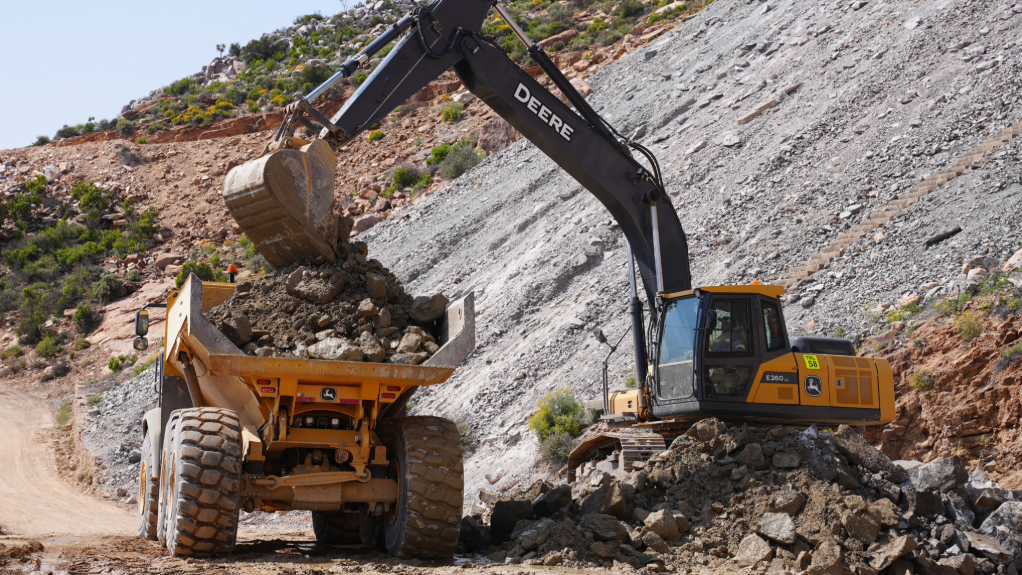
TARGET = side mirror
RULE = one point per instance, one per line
(711, 320)
(598, 333)
(141, 322)
(140, 344)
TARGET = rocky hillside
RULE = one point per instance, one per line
(779, 127)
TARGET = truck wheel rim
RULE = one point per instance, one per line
(142, 490)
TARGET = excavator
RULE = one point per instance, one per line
(720, 351)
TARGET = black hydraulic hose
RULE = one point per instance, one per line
(192, 381)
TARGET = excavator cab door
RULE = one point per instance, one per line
(730, 351)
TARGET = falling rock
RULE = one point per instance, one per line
(778, 527)
(888, 554)
(336, 348)
(663, 524)
(752, 550)
(427, 309)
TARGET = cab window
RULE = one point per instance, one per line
(677, 349)
(732, 334)
(772, 326)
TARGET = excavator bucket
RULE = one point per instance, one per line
(284, 202)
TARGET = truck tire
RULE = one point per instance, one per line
(202, 483)
(426, 457)
(169, 437)
(336, 528)
(148, 491)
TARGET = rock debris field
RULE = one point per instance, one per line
(760, 500)
(354, 310)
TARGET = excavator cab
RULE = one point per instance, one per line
(724, 351)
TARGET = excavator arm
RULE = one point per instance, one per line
(430, 41)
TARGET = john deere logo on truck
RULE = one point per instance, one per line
(328, 394)
(523, 95)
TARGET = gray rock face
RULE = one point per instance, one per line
(923, 503)
(336, 348)
(941, 475)
(778, 527)
(789, 502)
(888, 554)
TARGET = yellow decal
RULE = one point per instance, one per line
(811, 362)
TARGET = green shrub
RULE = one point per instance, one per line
(970, 326)
(142, 367)
(458, 161)
(82, 343)
(41, 141)
(125, 126)
(468, 440)
(200, 269)
(556, 448)
(48, 347)
(452, 112)
(64, 414)
(10, 353)
(375, 136)
(405, 178)
(119, 362)
(359, 77)
(94, 399)
(107, 284)
(133, 275)
(438, 154)
(630, 380)
(921, 380)
(83, 317)
(558, 412)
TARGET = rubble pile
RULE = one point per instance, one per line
(351, 310)
(761, 499)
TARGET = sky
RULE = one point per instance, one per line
(62, 62)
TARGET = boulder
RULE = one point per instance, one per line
(789, 502)
(336, 348)
(367, 308)
(164, 260)
(922, 503)
(752, 550)
(376, 286)
(409, 358)
(752, 457)
(941, 475)
(238, 330)
(787, 459)
(604, 527)
(311, 287)
(896, 549)
(707, 429)
(778, 527)
(663, 524)
(54, 371)
(602, 550)
(552, 501)
(428, 309)
(1005, 525)
(473, 537)
(410, 343)
(886, 512)
(371, 347)
(988, 546)
(655, 542)
(366, 222)
(854, 447)
(826, 560)
(860, 526)
(505, 515)
(605, 501)
(962, 564)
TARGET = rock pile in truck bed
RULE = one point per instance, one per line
(351, 310)
(761, 500)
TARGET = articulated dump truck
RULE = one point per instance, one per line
(237, 433)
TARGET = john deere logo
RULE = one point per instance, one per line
(328, 394)
(814, 386)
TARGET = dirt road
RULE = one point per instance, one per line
(35, 501)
